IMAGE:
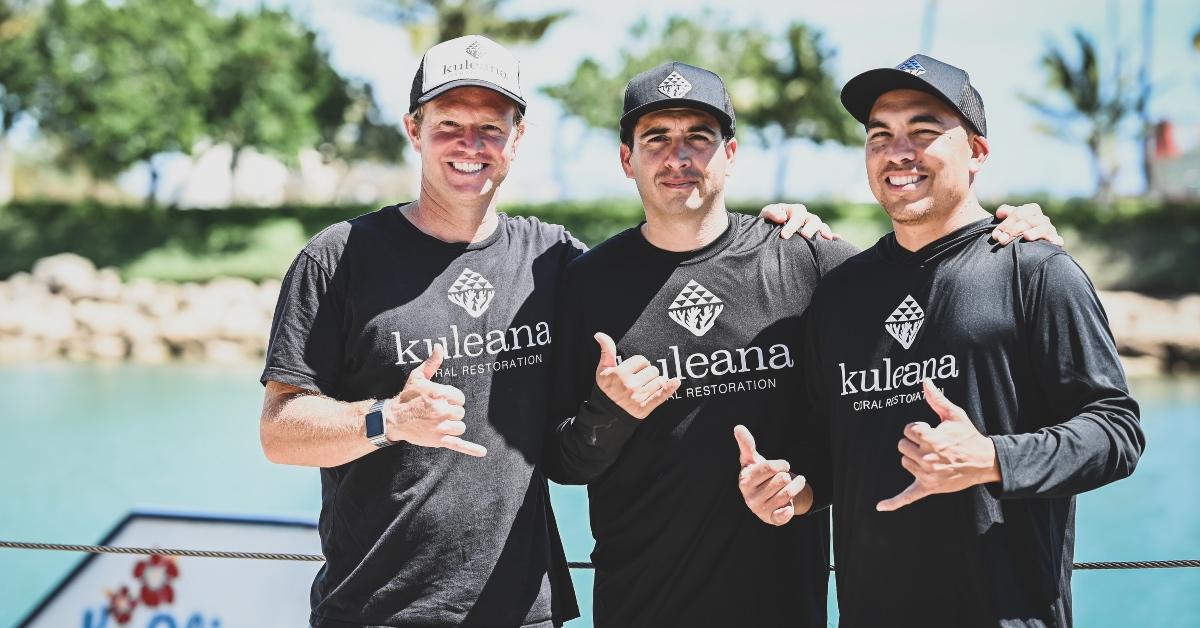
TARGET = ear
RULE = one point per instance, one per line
(413, 130)
(979, 152)
(730, 154)
(517, 140)
(626, 155)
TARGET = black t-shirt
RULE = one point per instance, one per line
(418, 536)
(675, 543)
(1017, 338)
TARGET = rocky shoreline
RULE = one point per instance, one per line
(67, 309)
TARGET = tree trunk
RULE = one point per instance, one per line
(781, 169)
(6, 170)
(152, 194)
(1103, 191)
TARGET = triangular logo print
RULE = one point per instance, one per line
(905, 321)
(472, 292)
(695, 308)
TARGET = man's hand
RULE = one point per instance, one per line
(767, 485)
(635, 384)
(795, 217)
(1026, 221)
(429, 414)
(943, 459)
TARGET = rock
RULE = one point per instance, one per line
(51, 319)
(244, 323)
(108, 348)
(268, 296)
(187, 325)
(15, 349)
(149, 351)
(99, 318)
(67, 274)
(224, 352)
(108, 286)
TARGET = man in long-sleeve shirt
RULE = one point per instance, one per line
(953, 507)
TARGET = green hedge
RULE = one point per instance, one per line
(1131, 245)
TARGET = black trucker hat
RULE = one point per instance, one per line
(470, 60)
(919, 72)
(676, 85)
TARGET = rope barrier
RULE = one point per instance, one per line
(109, 549)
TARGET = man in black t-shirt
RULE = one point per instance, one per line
(1007, 353)
(408, 360)
(668, 335)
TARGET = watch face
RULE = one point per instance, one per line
(374, 423)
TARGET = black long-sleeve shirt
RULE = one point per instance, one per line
(675, 543)
(1018, 339)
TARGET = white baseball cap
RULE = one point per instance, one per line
(470, 60)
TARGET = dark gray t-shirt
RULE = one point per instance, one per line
(675, 543)
(418, 536)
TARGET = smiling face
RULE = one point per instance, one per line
(679, 161)
(467, 139)
(921, 157)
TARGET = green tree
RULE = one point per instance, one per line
(267, 84)
(20, 68)
(431, 21)
(125, 82)
(1082, 105)
(781, 87)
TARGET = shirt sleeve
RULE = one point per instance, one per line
(306, 341)
(829, 254)
(587, 430)
(1092, 435)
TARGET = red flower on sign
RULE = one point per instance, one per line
(121, 605)
(156, 574)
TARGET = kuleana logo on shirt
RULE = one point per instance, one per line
(905, 321)
(903, 325)
(695, 308)
(472, 292)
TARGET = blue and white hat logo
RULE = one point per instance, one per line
(912, 66)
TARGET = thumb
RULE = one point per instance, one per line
(608, 351)
(430, 366)
(747, 451)
(907, 496)
(945, 410)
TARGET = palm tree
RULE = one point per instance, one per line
(431, 21)
(1080, 105)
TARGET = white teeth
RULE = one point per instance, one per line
(466, 167)
(894, 180)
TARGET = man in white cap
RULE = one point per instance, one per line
(964, 393)
(407, 360)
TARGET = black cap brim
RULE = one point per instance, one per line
(629, 120)
(442, 89)
(859, 95)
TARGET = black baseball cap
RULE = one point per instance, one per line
(676, 85)
(919, 72)
(470, 60)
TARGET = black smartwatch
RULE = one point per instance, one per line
(376, 426)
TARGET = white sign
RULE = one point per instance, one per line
(118, 590)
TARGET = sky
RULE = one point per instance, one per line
(999, 44)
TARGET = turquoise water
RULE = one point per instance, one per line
(82, 445)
